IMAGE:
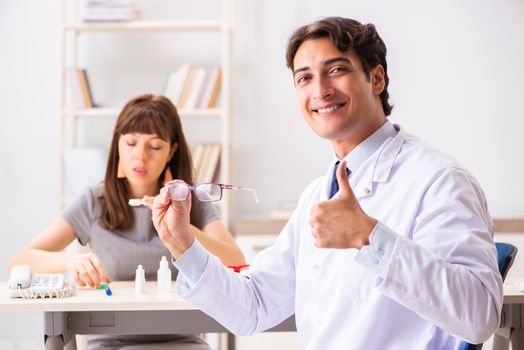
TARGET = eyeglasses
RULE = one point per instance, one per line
(205, 192)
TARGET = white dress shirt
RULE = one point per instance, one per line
(428, 279)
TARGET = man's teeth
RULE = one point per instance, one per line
(328, 109)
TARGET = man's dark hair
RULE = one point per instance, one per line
(346, 34)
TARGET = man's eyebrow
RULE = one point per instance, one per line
(338, 59)
(326, 62)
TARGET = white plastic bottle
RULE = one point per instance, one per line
(163, 277)
(140, 280)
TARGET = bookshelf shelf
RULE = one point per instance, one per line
(145, 26)
(113, 112)
(72, 28)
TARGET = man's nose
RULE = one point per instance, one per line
(323, 88)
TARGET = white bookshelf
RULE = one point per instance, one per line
(113, 112)
(73, 29)
(137, 26)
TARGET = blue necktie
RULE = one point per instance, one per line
(334, 181)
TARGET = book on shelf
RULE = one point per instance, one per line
(175, 83)
(198, 156)
(108, 11)
(210, 88)
(86, 90)
(181, 103)
(214, 89)
(206, 161)
(74, 88)
(211, 163)
(78, 85)
(196, 86)
(199, 103)
(193, 87)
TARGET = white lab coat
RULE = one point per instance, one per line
(442, 280)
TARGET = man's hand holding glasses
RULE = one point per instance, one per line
(171, 211)
(171, 220)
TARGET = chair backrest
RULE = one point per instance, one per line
(506, 256)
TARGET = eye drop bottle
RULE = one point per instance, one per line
(163, 277)
(140, 280)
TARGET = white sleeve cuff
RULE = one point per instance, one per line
(192, 263)
(377, 255)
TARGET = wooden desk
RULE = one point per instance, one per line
(90, 311)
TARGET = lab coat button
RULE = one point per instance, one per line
(315, 267)
(377, 261)
(319, 321)
(367, 190)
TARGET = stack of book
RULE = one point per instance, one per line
(194, 87)
(108, 11)
(78, 85)
(206, 158)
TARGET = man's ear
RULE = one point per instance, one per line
(174, 147)
(378, 81)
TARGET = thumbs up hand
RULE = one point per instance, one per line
(341, 222)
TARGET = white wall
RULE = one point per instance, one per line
(456, 80)
(455, 70)
(29, 38)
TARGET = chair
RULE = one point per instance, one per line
(506, 255)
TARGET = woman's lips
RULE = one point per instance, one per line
(140, 171)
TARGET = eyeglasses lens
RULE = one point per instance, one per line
(178, 191)
(208, 192)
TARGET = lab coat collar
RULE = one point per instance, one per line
(374, 170)
(387, 155)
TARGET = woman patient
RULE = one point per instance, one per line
(148, 149)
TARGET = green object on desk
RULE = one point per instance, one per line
(107, 289)
(103, 286)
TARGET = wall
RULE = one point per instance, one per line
(455, 70)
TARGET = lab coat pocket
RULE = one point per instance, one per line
(355, 281)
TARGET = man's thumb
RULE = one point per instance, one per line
(344, 188)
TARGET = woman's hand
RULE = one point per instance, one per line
(87, 270)
(171, 220)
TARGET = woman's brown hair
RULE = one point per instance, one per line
(147, 114)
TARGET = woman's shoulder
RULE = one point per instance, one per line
(85, 208)
(96, 191)
(92, 195)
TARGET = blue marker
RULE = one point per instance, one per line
(106, 287)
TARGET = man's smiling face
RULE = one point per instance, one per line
(337, 99)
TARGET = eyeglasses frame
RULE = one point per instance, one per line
(222, 187)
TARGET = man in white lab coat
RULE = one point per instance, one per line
(391, 249)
